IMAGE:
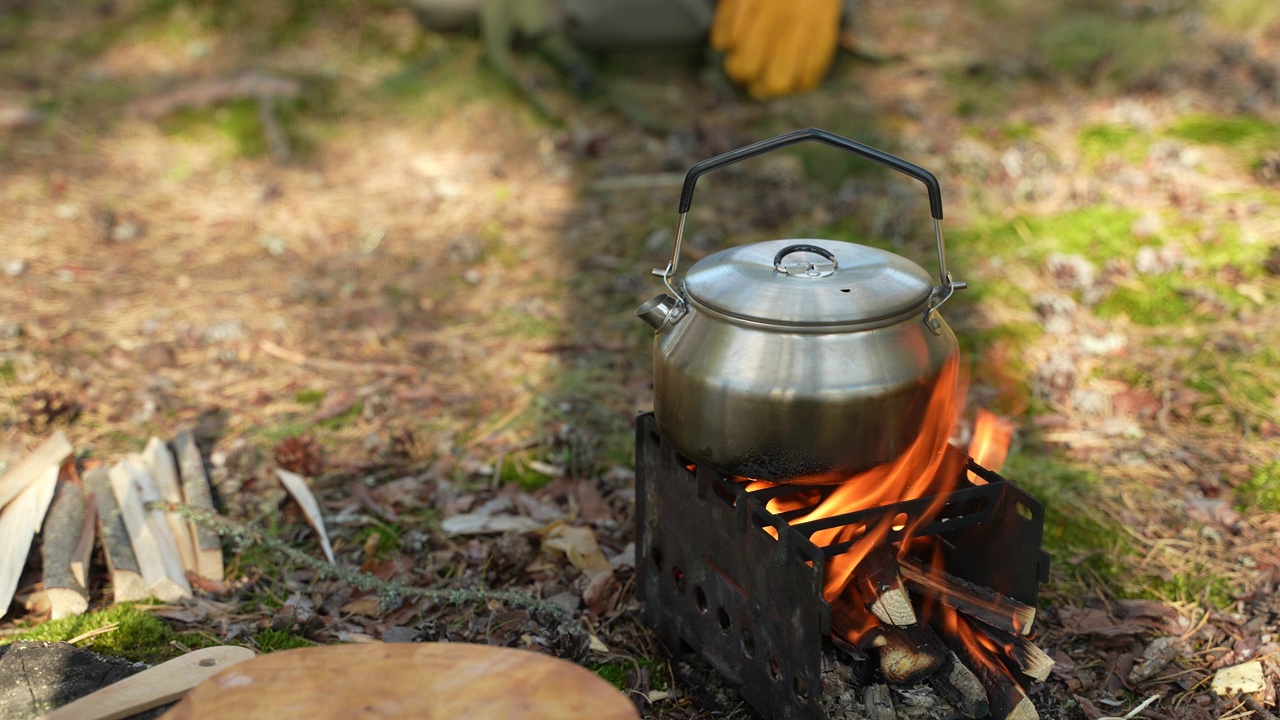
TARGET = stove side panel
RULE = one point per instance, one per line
(714, 582)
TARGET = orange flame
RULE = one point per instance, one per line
(989, 446)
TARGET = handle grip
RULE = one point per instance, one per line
(890, 161)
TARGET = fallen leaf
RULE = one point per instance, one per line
(596, 645)
(1092, 621)
(479, 524)
(579, 546)
(368, 606)
(602, 593)
(656, 695)
(1237, 679)
(591, 505)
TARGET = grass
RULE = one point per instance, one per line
(1099, 142)
(138, 635)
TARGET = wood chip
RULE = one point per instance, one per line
(296, 485)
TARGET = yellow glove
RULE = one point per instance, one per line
(776, 47)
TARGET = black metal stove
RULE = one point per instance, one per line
(713, 581)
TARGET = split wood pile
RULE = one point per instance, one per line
(149, 551)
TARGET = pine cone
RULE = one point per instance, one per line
(300, 454)
(42, 409)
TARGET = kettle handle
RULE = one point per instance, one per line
(817, 135)
(941, 293)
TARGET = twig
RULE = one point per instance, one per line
(298, 358)
(391, 593)
(1256, 707)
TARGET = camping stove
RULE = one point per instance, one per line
(713, 580)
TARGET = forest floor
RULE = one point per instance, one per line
(430, 274)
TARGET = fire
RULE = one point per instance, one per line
(912, 475)
(989, 446)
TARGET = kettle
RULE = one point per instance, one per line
(800, 361)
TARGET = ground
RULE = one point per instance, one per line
(429, 270)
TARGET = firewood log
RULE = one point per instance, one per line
(60, 541)
(126, 576)
(195, 488)
(876, 580)
(973, 600)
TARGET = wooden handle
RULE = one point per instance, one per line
(156, 686)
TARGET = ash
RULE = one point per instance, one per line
(851, 685)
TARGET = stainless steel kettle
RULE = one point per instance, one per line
(802, 360)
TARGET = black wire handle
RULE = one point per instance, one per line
(890, 161)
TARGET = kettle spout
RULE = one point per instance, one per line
(659, 312)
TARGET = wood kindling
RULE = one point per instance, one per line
(122, 564)
(149, 533)
(974, 600)
(159, 461)
(206, 543)
(51, 453)
(60, 541)
(955, 682)
(20, 520)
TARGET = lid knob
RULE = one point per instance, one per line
(804, 268)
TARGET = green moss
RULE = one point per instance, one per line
(1261, 492)
(1098, 45)
(1244, 16)
(269, 640)
(1098, 233)
(309, 396)
(1236, 131)
(7, 372)
(515, 471)
(1148, 300)
(138, 635)
(1186, 587)
(616, 673)
(1099, 142)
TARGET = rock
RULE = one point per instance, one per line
(14, 267)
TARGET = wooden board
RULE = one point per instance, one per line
(19, 522)
(431, 681)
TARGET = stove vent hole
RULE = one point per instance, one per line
(656, 553)
(748, 643)
(799, 691)
(699, 598)
(775, 670)
(723, 616)
(899, 521)
(678, 574)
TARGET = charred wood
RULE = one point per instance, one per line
(977, 602)
(876, 580)
(1020, 652)
(1006, 698)
(959, 686)
(878, 702)
(909, 655)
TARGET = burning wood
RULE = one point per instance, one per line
(973, 600)
(876, 578)
(1031, 660)
(955, 682)
(909, 655)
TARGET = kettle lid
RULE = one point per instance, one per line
(809, 283)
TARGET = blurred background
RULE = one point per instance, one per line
(357, 239)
